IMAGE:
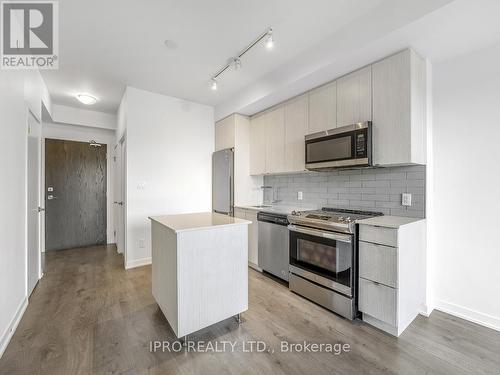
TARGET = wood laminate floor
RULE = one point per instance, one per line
(90, 316)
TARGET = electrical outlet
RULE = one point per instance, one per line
(142, 243)
(299, 195)
(406, 199)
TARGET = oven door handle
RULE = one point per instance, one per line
(319, 233)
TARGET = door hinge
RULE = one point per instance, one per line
(114, 233)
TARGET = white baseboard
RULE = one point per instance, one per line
(426, 310)
(9, 332)
(254, 266)
(137, 263)
(486, 320)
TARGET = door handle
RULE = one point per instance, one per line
(120, 203)
(315, 232)
(40, 209)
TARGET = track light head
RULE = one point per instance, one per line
(269, 39)
(236, 63)
(213, 84)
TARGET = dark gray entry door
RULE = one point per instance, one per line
(75, 194)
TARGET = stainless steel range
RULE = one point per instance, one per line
(323, 257)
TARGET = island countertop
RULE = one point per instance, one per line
(196, 221)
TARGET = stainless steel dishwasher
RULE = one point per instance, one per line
(273, 244)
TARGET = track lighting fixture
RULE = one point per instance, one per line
(235, 62)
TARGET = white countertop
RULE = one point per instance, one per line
(275, 208)
(388, 221)
(197, 221)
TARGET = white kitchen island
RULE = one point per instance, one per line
(200, 269)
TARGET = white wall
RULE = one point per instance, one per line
(85, 117)
(466, 183)
(85, 134)
(13, 159)
(36, 93)
(169, 152)
(121, 118)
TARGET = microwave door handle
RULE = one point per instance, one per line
(320, 233)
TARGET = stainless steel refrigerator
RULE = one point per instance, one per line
(222, 182)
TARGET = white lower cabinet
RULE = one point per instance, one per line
(378, 300)
(253, 235)
(378, 263)
(253, 239)
(391, 272)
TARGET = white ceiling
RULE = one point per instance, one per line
(106, 45)
(438, 30)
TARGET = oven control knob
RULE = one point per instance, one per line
(295, 213)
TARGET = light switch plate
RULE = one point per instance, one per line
(406, 199)
(142, 243)
(299, 195)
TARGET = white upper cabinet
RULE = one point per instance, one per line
(391, 93)
(257, 145)
(322, 108)
(234, 132)
(224, 133)
(275, 140)
(399, 108)
(354, 97)
(267, 142)
(296, 127)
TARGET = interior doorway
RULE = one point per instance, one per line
(75, 194)
(120, 196)
(33, 203)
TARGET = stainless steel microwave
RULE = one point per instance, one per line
(344, 147)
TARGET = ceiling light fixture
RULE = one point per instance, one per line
(235, 62)
(86, 99)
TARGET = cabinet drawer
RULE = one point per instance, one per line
(378, 263)
(380, 235)
(378, 301)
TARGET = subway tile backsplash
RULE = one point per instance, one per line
(377, 189)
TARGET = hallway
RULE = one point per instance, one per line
(89, 316)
